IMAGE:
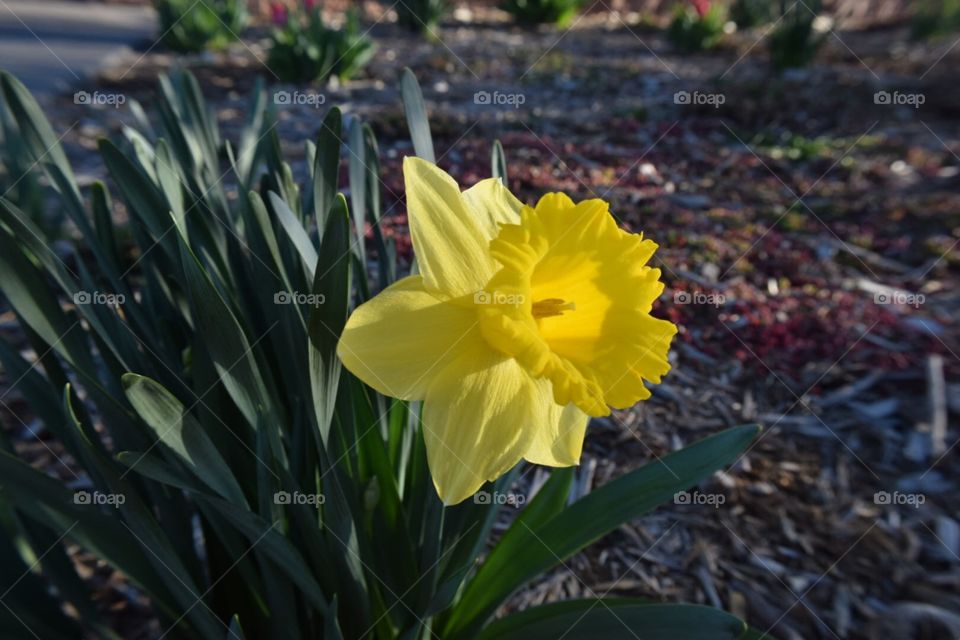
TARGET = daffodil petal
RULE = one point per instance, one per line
(476, 421)
(493, 205)
(633, 355)
(449, 242)
(398, 340)
(588, 291)
(558, 441)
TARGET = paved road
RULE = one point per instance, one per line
(53, 46)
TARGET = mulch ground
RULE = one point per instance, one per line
(809, 247)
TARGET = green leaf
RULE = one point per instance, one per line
(169, 180)
(331, 280)
(253, 131)
(36, 389)
(236, 631)
(103, 226)
(26, 589)
(616, 619)
(261, 219)
(228, 345)
(386, 246)
(535, 549)
(118, 340)
(73, 205)
(143, 151)
(154, 467)
(281, 600)
(499, 162)
(182, 434)
(49, 502)
(548, 502)
(171, 559)
(326, 172)
(266, 540)
(331, 627)
(295, 232)
(416, 112)
(358, 186)
(147, 203)
(140, 117)
(43, 144)
(28, 293)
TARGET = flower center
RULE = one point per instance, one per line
(552, 307)
(583, 294)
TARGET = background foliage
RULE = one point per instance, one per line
(188, 25)
(305, 49)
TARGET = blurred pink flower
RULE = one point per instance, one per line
(701, 6)
(309, 4)
(278, 13)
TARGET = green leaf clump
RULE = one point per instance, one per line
(690, 31)
(534, 12)
(421, 16)
(795, 41)
(190, 26)
(935, 19)
(305, 49)
(211, 448)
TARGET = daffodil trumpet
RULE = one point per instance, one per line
(522, 324)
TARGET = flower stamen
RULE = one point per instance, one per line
(552, 307)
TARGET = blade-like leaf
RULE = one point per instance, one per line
(326, 172)
(43, 144)
(46, 500)
(228, 345)
(267, 540)
(548, 502)
(533, 550)
(332, 281)
(248, 153)
(147, 203)
(27, 291)
(416, 112)
(499, 162)
(236, 631)
(173, 561)
(295, 232)
(616, 619)
(182, 434)
(358, 186)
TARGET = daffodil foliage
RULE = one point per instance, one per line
(184, 367)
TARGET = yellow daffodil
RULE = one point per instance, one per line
(523, 322)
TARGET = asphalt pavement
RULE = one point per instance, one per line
(55, 46)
